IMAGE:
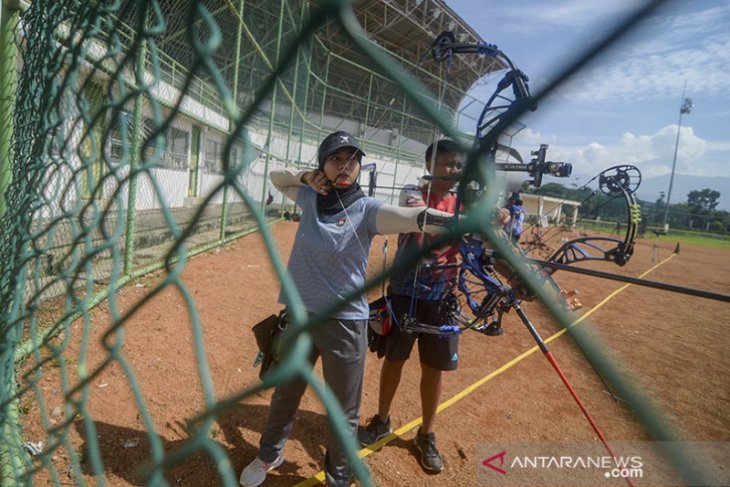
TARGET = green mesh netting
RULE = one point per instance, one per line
(137, 133)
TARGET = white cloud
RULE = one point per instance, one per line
(721, 146)
(530, 16)
(652, 154)
(694, 47)
(531, 138)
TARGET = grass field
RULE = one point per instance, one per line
(704, 240)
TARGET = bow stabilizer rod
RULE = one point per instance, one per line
(700, 293)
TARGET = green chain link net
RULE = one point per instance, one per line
(94, 197)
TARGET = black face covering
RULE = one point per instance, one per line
(338, 199)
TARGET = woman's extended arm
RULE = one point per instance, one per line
(399, 219)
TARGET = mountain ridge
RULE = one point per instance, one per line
(684, 183)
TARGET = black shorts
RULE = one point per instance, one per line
(440, 352)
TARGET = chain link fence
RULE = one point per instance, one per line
(137, 133)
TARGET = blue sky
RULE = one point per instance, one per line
(624, 107)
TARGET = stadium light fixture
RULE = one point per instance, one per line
(685, 108)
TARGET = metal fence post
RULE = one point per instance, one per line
(8, 54)
(232, 121)
(134, 163)
(11, 449)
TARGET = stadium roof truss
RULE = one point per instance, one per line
(330, 78)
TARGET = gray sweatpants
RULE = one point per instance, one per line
(342, 344)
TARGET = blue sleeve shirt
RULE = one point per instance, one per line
(329, 257)
(517, 219)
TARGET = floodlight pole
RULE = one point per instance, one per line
(686, 107)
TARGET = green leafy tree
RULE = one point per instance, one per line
(724, 218)
(679, 216)
(555, 190)
(703, 202)
(701, 205)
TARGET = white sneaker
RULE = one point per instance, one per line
(255, 473)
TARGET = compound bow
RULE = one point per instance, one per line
(484, 294)
(486, 297)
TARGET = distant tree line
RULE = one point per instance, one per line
(698, 212)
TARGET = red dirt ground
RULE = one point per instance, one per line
(675, 346)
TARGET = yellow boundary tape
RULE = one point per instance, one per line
(319, 477)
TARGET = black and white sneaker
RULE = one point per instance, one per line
(430, 457)
(375, 430)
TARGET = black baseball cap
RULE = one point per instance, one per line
(334, 142)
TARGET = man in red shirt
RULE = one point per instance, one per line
(419, 294)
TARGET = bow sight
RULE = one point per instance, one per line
(538, 166)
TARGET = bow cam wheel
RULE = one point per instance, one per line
(620, 178)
